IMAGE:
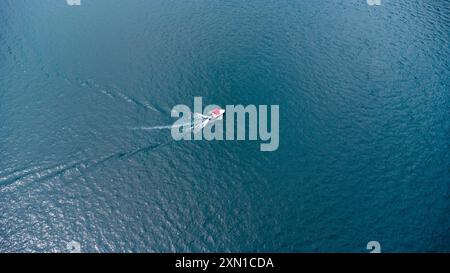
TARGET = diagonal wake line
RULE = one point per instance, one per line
(82, 166)
(199, 121)
(160, 127)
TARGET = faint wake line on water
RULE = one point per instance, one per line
(107, 91)
(90, 83)
(117, 94)
(25, 172)
(37, 174)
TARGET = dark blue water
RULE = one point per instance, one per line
(364, 95)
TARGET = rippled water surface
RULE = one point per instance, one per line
(364, 126)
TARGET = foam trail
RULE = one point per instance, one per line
(199, 122)
(161, 127)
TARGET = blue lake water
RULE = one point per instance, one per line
(364, 96)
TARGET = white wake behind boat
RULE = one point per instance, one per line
(200, 121)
